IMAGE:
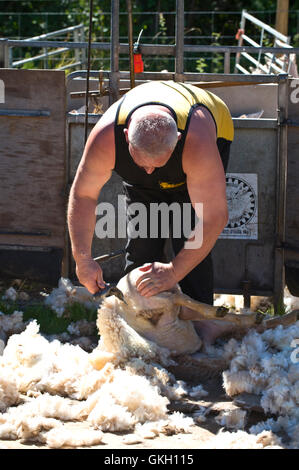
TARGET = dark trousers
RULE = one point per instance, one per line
(198, 283)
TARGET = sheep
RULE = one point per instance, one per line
(174, 321)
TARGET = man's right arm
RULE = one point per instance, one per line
(93, 172)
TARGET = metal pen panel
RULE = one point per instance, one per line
(179, 41)
(114, 52)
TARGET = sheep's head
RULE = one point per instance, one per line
(144, 312)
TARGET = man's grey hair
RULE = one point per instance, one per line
(153, 134)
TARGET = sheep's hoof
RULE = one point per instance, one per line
(221, 312)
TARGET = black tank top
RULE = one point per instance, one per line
(180, 99)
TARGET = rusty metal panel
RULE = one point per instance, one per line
(292, 213)
(33, 164)
(251, 258)
(292, 196)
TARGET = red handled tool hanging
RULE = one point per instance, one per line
(138, 62)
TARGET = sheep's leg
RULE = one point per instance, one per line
(204, 310)
(197, 311)
(284, 320)
(209, 312)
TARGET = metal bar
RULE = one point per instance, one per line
(38, 57)
(251, 41)
(206, 77)
(54, 33)
(261, 43)
(25, 248)
(10, 60)
(24, 232)
(282, 44)
(76, 38)
(250, 123)
(255, 62)
(277, 61)
(4, 53)
(242, 69)
(236, 49)
(122, 91)
(272, 57)
(88, 69)
(240, 40)
(179, 41)
(216, 84)
(130, 39)
(46, 62)
(83, 51)
(24, 113)
(150, 49)
(190, 77)
(114, 54)
(78, 118)
(270, 30)
(68, 66)
(281, 191)
(227, 62)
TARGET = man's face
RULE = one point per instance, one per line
(148, 164)
(142, 160)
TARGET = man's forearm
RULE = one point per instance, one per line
(81, 223)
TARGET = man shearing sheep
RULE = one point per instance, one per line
(169, 142)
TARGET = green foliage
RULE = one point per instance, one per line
(217, 59)
(201, 65)
(215, 28)
(48, 320)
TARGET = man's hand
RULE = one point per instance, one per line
(90, 274)
(157, 277)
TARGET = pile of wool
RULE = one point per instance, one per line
(12, 294)
(232, 419)
(10, 324)
(67, 293)
(265, 364)
(243, 440)
(52, 385)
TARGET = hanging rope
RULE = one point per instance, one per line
(88, 69)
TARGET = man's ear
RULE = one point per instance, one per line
(126, 132)
(179, 135)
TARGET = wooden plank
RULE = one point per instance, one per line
(32, 159)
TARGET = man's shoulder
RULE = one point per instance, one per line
(104, 129)
(202, 123)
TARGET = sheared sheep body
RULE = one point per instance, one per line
(156, 318)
